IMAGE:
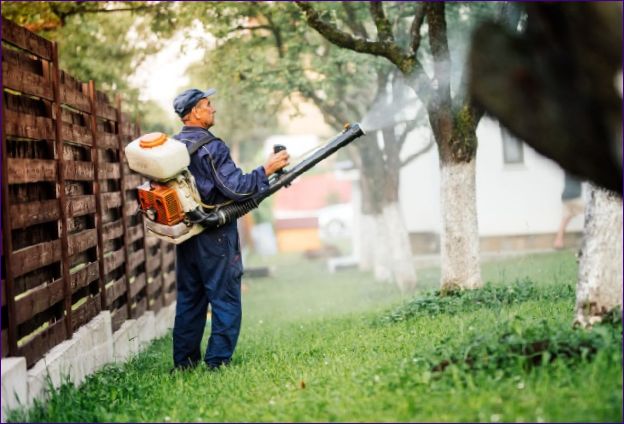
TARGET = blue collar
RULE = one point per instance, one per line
(187, 129)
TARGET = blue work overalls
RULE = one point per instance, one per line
(209, 265)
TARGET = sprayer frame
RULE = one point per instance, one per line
(233, 211)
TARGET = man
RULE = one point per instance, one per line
(573, 205)
(209, 266)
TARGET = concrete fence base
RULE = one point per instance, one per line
(91, 347)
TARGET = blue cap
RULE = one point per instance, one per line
(185, 101)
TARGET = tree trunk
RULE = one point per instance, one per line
(460, 235)
(366, 242)
(399, 248)
(382, 263)
(599, 287)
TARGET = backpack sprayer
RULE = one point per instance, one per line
(170, 201)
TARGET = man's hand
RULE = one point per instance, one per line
(276, 162)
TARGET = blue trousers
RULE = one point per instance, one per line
(208, 271)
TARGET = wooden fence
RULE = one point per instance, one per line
(73, 243)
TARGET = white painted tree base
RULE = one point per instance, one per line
(599, 287)
(459, 240)
(91, 347)
(401, 260)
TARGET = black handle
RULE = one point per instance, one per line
(276, 149)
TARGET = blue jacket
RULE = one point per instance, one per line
(217, 176)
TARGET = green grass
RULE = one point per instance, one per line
(319, 347)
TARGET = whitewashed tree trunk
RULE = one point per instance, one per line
(460, 235)
(366, 242)
(599, 287)
(399, 248)
(381, 253)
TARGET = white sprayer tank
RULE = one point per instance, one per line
(157, 156)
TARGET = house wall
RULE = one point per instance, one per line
(512, 199)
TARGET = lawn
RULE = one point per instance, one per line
(321, 347)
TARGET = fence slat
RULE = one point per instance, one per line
(58, 140)
(105, 110)
(140, 308)
(107, 140)
(25, 82)
(24, 215)
(116, 289)
(74, 98)
(110, 200)
(153, 287)
(80, 205)
(118, 316)
(25, 125)
(135, 259)
(113, 260)
(132, 181)
(108, 170)
(156, 304)
(78, 170)
(112, 230)
(82, 241)
(8, 284)
(23, 171)
(95, 156)
(38, 300)
(36, 256)
(24, 39)
(152, 265)
(76, 134)
(82, 277)
(43, 342)
(85, 312)
(135, 233)
(169, 298)
(168, 259)
(137, 285)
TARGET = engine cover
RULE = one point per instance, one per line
(160, 203)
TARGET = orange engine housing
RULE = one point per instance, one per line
(163, 201)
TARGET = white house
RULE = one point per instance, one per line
(518, 194)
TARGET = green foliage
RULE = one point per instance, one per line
(103, 41)
(312, 350)
(490, 296)
(265, 54)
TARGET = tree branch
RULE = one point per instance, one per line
(419, 153)
(384, 28)
(390, 51)
(411, 124)
(249, 28)
(277, 35)
(352, 22)
(416, 77)
(419, 18)
(438, 41)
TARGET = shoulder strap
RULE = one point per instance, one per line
(202, 142)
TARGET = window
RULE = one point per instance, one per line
(513, 149)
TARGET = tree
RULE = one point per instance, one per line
(452, 115)
(555, 85)
(599, 287)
